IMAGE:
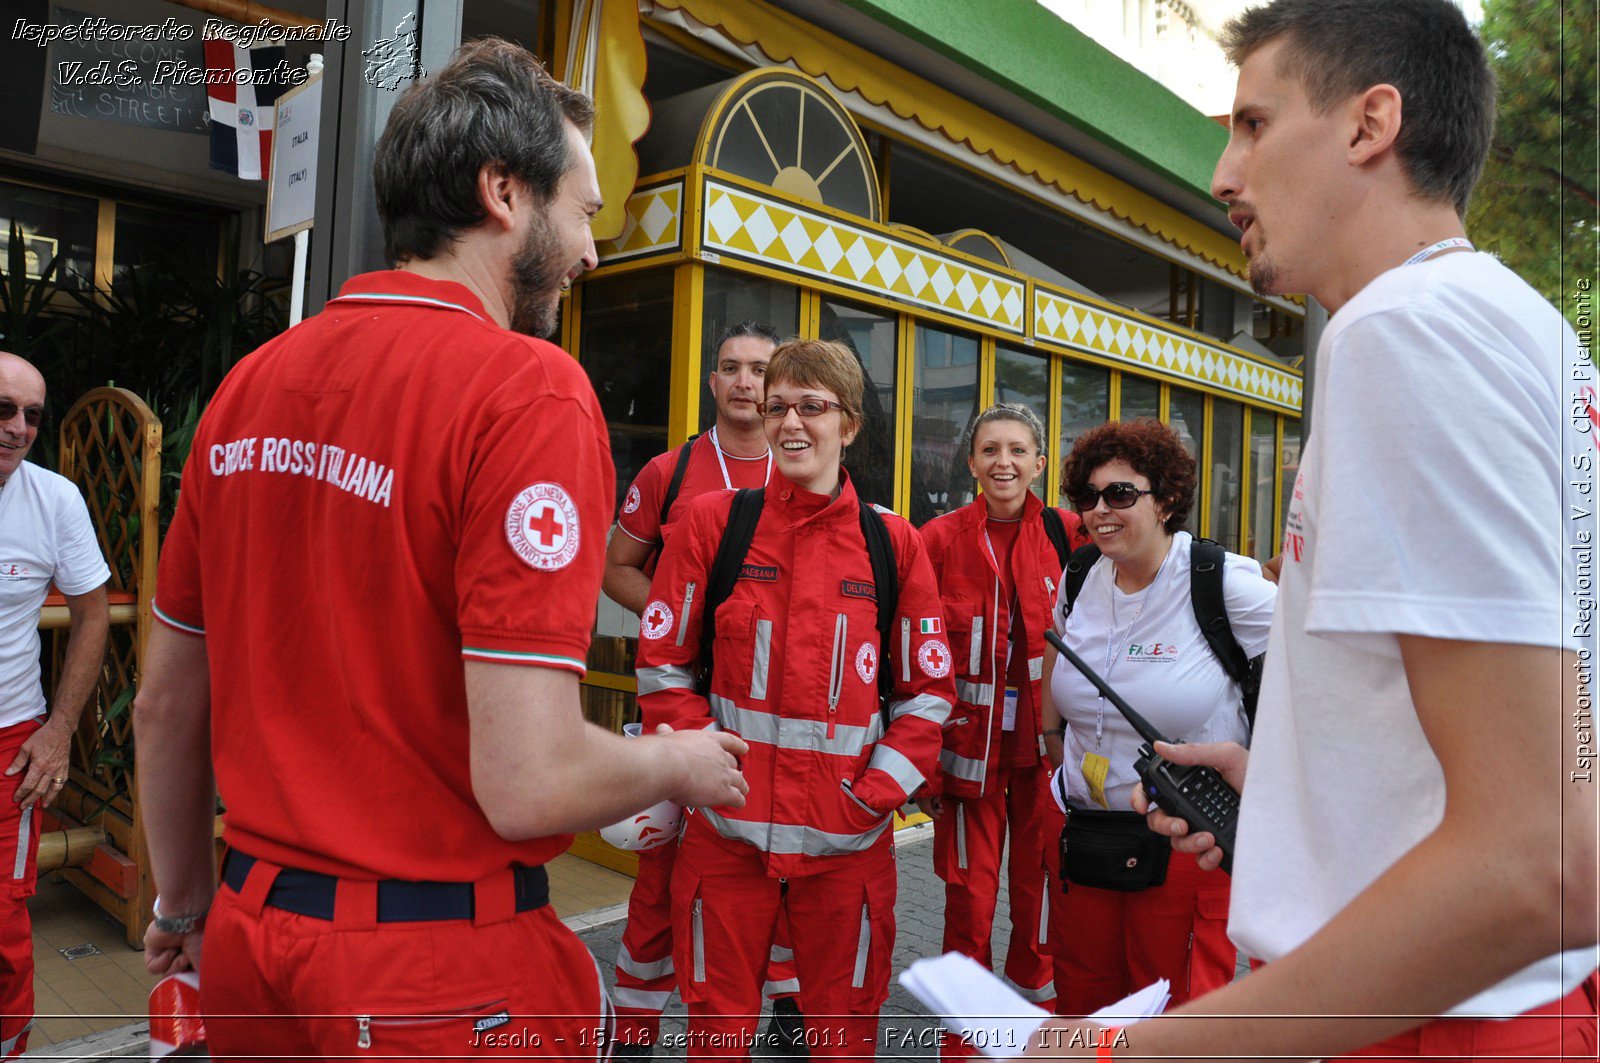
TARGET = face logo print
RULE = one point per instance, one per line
(656, 620)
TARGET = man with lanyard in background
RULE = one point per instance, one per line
(1415, 852)
(732, 455)
(376, 602)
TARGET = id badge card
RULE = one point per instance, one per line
(1008, 721)
(1095, 768)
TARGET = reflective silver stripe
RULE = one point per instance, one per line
(758, 673)
(962, 767)
(1044, 912)
(863, 945)
(645, 972)
(844, 785)
(898, 766)
(608, 1011)
(787, 987)
(972, 693)
(779, 954)
(699, 942)
(641, 999)
(661, 677)
(905, 650)
(923, 706)
(793, 839)
(683, 618)
(1034, 996)
(975, 657)
(811, 735)
(10, 1043)
(24, 834)
(961, 835)
(1036, 667)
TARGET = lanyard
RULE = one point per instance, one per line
(1114, 644)
(1443, 245)
(727, 481)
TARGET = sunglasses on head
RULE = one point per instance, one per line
(32, 416)
(1120, 495)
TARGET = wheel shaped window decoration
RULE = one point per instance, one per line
(784, 130)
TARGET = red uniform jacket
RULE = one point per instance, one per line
(969, 584)
(795, 671)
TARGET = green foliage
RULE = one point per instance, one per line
(1536, 205)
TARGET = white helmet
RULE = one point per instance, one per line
(645, 830)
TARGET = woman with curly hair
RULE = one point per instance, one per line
(1133, 910)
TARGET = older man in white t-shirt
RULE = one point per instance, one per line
(45, 537)
(1416, 852)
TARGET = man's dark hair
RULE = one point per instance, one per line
(1424, 48)
(493, 104)
(759, 329)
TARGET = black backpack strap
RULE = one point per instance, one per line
(886, 580)
(677, 478)
(737, 534)
(1206, 558)
(1055, 529)
(1074, 573)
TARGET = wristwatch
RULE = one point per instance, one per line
(176, 924)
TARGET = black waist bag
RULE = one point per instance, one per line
(1111, 850)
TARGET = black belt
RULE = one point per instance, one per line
(311, 893)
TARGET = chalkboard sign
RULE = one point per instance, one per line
(139, 82)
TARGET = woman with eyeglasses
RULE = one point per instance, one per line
(998, 566)
(843, 726)
(1134, 911)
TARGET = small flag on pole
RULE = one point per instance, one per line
(931, 625)
(242, 94)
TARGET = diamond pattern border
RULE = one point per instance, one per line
(742, 223)
(1064, 320)
(654, 222)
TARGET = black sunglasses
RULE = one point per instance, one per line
(32, 416)
(1121, 495)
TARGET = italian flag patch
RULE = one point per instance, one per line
(931, 625)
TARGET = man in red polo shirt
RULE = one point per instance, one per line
(376, 600)
(732, 455)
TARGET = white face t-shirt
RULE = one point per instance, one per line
(1149, 647)
(45, 536)
(1438, 495)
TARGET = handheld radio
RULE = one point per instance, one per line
(1194, 793)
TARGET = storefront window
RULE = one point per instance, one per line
(734, 297)
(1141, 397)
(1261, 543)
(872, 336)
(1227, 464)
(1291, 466)
(1023, 376)
(185, 244)
(55, 228)
(626, 347)
(1085, 402)
(944, 399)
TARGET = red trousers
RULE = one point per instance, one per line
(276, 985)
(968, 839)
(725, 913)
(645, 974)
(1562, 1029)
(1108, 944)
(19, 854)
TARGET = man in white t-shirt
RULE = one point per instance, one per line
(1419, 823)
(45, 536)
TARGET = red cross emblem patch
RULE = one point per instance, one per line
(542, 526)
(656, 620)
(934, 659)
(631, 503)
(867, 662)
